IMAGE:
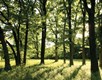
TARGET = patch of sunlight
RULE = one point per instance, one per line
(32, 62)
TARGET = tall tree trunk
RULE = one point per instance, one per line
(6, 55)
(83, 38)
(100, 40)
(43, 14)
(70, 34)
(64, 48)
(43, 43)
(92, 43)
(92, 39)
(18, 62)
(26, 37)
(100, 36)
(56, 39)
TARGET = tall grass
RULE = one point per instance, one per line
(50, 71)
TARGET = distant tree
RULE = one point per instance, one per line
(64, 48)
(56, 39)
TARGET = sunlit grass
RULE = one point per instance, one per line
(49, 71)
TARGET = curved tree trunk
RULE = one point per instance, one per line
(15, 56)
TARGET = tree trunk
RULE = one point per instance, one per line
(70, 35)
(15, 56)
(43, 14)
(92, 39)
(56, 39)
(18, 62)
(83, 38)
(56, 47)
(6, 55)
(92, 43)
(43, 43)
(100, 57)
(64, 48)
(26, 38)
(100, 36)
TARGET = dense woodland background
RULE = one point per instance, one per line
(51, 29)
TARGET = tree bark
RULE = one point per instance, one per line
(100, 57)
(56, 47)
(56, 40)
(6, 55)
(26, 38)
(64, 48)
(43, 14)
(18, 62)
(83, 36)
(70, 35)
(92, 39)
(15, 56)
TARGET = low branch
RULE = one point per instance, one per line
(12, 49)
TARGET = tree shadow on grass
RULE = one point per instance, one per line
(74, 74)
(96, 76)
(26, 72)
(40, 71)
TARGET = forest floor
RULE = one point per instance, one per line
(49, 71)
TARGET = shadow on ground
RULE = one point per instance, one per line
(74, 74)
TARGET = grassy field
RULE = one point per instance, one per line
(50, 71)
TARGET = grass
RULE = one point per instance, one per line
(50, 71)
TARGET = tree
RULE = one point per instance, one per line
(6, 55)
(70, 32)
(92, 42)
(27, 13)
(56, 39)
(43, 15)
(99, 30)
(8, 19)
(83, 33)
(64, 49)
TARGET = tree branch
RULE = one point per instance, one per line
(3, 16)
(12, 49)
